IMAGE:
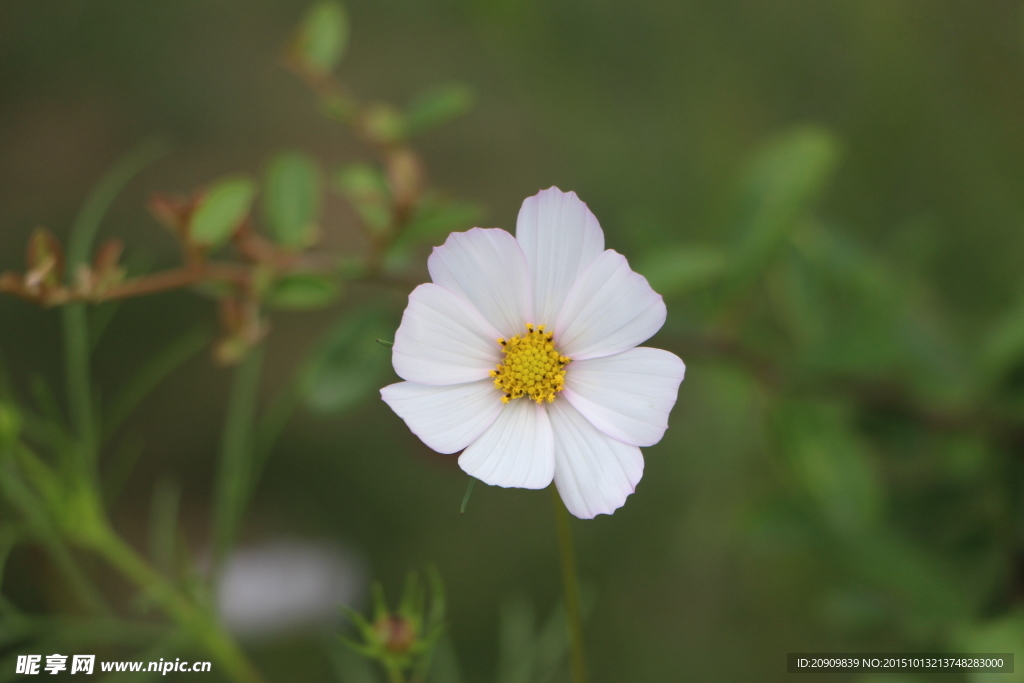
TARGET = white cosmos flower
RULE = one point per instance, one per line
(522, 353)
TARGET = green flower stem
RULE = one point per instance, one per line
(198, 623)
(570, 584)
(76, 356)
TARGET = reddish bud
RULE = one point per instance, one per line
(173, 211)
(405, 176)
(395, 633)
(108, 256)
(45, 261)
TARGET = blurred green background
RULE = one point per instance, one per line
(828, 194)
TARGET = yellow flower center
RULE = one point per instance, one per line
(532, 367)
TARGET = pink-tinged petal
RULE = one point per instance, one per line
(443, 339)
(488, 268)
(560, 238)
(516, 451)
(609, 309)
(627, 396)
(593, 472)
(445, 418)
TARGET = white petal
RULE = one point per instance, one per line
(443, 339)
(446, 418)
(488, 268)
(627, 396)
(593, 472)
(517, 450)
(560, 238)
(609, 309)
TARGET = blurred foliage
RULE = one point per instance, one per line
(843, 471)
(403, 641)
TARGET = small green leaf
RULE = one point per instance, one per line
(291, 199)
(366, 188)
(1002, 635)
(830, 463)
(437, 106)
(224, 207)
(303, 291)
(779, 187)
(680, 270)
(1003, 351)
(322, 37)
(925, 584)
(434, 220)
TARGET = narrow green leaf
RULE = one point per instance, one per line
(120, 465)
(51, 424)
(234, 476)
(163, 525)
(445, 664)
(413, 601)
(226, 204)
(380, 602)
(365, 628)
(75, 321)
(303, 291)
(8, 537)
(349, 662)
(438, 599)
(291, 199)
(273, 421)
(516, 643)
(553, 644)
(437, 106)
(322, 37)
(465, 498)
(87, 223)
(349, 366)
(11, 423)
(148, 377)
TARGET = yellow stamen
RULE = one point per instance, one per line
(532, 367)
